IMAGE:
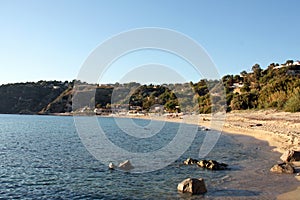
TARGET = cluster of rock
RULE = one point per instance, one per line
(286, 167)
(291, 156)
(207, 164)
(283, 168)
(197, 185)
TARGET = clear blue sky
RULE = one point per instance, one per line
(50, 40)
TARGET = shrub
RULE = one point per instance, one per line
(293, 104)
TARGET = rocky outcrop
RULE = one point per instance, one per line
(283, 168)
(192, 185)
(290, 156)
(207, 164)
(212, 165)
(190, 161)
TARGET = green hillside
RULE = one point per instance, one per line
(276, 87)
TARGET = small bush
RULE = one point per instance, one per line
(293, 104)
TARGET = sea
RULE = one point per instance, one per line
(45, 157)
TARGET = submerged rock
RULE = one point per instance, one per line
(283, 168)
(192, 185)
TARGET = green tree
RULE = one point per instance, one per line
(256, 71)
(243, 73)
(246, 86)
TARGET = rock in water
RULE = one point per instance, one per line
(126, 165)
(111, 166)
(192, 185)
(290, 156)
(190, 161)
(212, 164)
(283, 168)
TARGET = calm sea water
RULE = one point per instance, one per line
(42, 157)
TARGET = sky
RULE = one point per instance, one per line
(51, 40)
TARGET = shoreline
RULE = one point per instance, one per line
(280, 130)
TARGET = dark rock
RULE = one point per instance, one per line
(192, 185)
(290, 156)
(190, 161)
(212, 165)
(283, 168)
(254, 125)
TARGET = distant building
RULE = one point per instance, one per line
(237, 85)
(288, 64)
(55, 87)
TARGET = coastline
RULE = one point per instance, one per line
(280, 130)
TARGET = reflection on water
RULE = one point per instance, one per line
(43, 157)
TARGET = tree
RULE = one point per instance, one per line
(271, 66)
(256, 71)
(243, 73)
(171, 105)
(246, 86)
(289, 62)
(237, 78)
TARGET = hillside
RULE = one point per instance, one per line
(276, 87)
(29, 98)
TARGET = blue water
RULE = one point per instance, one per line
(42, 157)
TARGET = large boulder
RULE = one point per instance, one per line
(192, 185)
(283, 168)
(290, 156)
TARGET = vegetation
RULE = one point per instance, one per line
(28, 98)
(276, 87)
(271, 88)
(293, 104)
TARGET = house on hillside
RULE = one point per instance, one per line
(293, 72)
(296, 63)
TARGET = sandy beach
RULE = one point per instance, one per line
(280, 130)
